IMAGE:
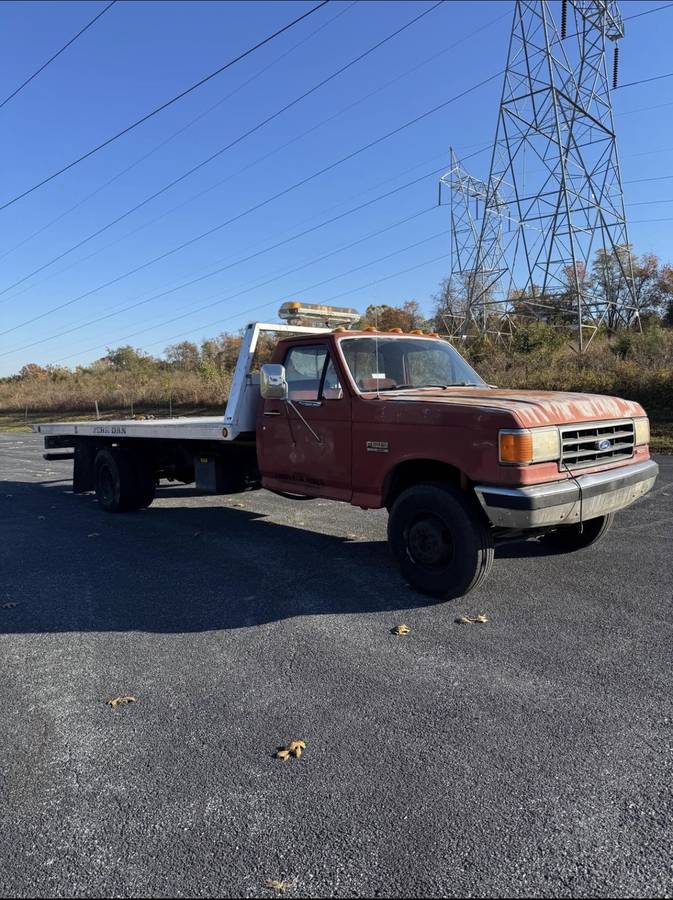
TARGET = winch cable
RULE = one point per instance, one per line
(581, 495)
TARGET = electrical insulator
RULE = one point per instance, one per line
(564, 18)
(615, 67)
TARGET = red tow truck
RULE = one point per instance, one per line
(387, 419)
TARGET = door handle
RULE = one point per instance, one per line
(272, 412)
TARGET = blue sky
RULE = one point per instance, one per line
(139, 54)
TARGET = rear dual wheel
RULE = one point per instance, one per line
(124, 481)
(441, 539)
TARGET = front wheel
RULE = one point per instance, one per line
(440, 539)
(568, 538)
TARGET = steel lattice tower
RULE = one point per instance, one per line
(470, 218)
(554, 177)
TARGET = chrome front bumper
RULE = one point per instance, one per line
(558, 502)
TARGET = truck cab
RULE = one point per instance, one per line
(402, 421)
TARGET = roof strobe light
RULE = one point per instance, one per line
(296, 313)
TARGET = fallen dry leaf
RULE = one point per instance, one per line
(473, 620)
(294, 748)
(9, 605)
(481, 618)
(124, 699)
(281, 886)
(400, 629)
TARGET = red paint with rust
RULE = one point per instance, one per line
(457, 426)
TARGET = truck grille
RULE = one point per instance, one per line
(580, 444)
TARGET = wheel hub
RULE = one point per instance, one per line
(429, 542)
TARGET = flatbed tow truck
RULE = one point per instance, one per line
(386, 419)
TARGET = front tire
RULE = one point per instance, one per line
(440, 539)
(568, 538)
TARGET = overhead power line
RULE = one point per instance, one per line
(260, 204)
(249, 165)
(299, 291)
(56, 55)
(163, 106)
(333, 296)
(178, 132)
(290, 295)
(644, 80)
(361, 193)
(224, 149)
(232, 263)
(653, 178)
(646, 12)
(254, 286)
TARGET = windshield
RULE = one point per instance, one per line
(392, 363)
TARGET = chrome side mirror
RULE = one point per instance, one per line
(272, 383)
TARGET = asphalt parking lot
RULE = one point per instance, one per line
(529, 756)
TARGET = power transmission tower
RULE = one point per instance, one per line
(554, 168)
(469, 282)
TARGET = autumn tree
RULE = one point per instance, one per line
(32, 372)
(184, 355)
(221, 352)
(408, 317)
(127, 359)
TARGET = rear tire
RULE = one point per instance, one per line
(146, 483)
(440, 539)
(568, 538)
(123, 482)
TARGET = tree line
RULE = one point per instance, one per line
(191, 376)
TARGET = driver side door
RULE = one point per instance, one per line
(305, 442)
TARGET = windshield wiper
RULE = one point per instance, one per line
(420, 387)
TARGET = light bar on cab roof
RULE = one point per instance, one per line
(296, 313)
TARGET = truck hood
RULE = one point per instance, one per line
(531, 408)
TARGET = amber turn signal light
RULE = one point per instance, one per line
(516, 447)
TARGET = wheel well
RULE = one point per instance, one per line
(417, 471)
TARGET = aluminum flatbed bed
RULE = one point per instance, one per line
(199, 428)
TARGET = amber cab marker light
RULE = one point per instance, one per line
(516, 447)
(395, 331)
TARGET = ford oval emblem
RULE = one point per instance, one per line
(605, 444)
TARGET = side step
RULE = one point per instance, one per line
(70, 455)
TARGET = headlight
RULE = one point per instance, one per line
(523, 446)
(642, 429)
